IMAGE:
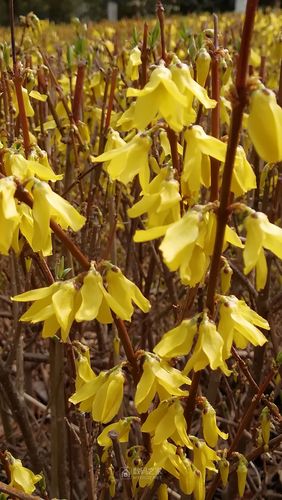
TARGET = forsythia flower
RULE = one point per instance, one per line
(18, 165)
(260, 234)
(204, 456)
(84, 372)
(47, 205)
(188, 244)
(27, 105)
(168, 421)
(210, 429)
(56, 305)
(158, 376)
(129, 160)
(22, 479)
(265, 125)
(101, 396)
(62, 302)
(119, 286)
(208, 349)
(237, 323)
(159, 97)
(163, 492)
(122, 428)
(179, 340)
(163, 457)
(9, 216)
(196, 168)
(162, 203)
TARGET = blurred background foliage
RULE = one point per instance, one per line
(64, 10)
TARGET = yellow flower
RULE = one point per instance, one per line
(22, 479)
(121, 287)
(133, 63)
(18, 165)
(168, 421)
(204, 456)
(158, 377)
(188, 244)
(190, 88)
(9, 216)
(93, 303)
(122, 428)
(129, 160)
(162, 203)
(196, 169)
(27, 105)
(210, 429)
(208, 349)
(237, 323)
(163, 457)
(101, 396)
(265, 125)
(179, 340)
(260, 234)
(84, 372)
(56, 305)
(47, 205)
(159, 98)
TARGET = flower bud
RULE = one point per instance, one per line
(242, 472)
(203, 62)
(224, 471)
(265, 125)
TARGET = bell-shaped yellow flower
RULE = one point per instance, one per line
(188, 244)
(101, 396)
(196, 168)
(210, 428)
(18, 165)
(208, 349)
(260, 234)
(168, 421)
(163, 456)
(158, 377)
(47, 205)
(9, 216)
(133, 64)
(22, 479)
(238, 323)
(204, 456)
(159, 98)
(27, 104)
(179, 340)
(122, 428)
(93, 303)
(265, 125)
(189, 87)
(188, 479)
(84, 372)
(129, 160)
(161, 202)
(119, 286)
(56, 305)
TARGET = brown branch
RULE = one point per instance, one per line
(13, 493)
(161, 18)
